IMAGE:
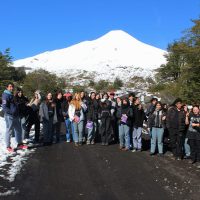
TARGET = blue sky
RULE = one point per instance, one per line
(30, 27)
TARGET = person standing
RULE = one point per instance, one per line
(11, 115)
(77, 109)
(139, 117)
(193, 119)
(92, 118)
(60, 119)
(65, 111)
(176, 124)
(156, 122)
(33, 118)
(48, 117)
(21, 102)
(105, 117)
(124, 114)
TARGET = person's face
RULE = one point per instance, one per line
(179, 105)
(93, 96)
(10, 88)
(154, 102)
(97, 96)
(49, 96)
(158, 106)
(77, 97)
(59, 96)
(105, 96)
(118, 100)
(196, 110)
(125, 102)
(112, 96)
(137, 101)
(82, 94)
(20, 94)
(131, 98)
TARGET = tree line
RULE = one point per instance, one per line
(180, 76)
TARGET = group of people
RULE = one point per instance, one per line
(101, 118)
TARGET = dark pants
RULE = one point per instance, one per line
(177, 142)
(105, 130)
(56, 130)
(33, 119)
(195, 149)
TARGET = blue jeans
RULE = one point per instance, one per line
(157, 138)
(187, 147)
(78, 131)
(124, 136)
(137, 139)
(69, 127)
(12, 123)
(92, 132)
(22, 121)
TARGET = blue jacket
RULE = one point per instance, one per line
(8, 104)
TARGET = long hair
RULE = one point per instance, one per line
(76, 101)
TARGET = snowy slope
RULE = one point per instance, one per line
(114, 50)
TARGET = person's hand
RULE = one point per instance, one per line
(164, 118)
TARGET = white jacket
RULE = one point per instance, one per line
(71, 112)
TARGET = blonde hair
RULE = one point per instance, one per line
(76, 101)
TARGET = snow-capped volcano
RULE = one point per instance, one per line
(114, 54)
(116, 48)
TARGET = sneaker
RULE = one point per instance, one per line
(160, 154)
(139, 150)
(125, 149)
(102, 144)
(22, 146)
(68, 141)
(121, 147)
(76, 144)
(88, 142)
(92, 142)
(10, 149)
(152, 154)
(25, 141)
(134, 150)
(80, 143)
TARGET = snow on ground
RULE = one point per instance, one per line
(10, 163)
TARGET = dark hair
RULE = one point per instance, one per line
(154, 99)
(176, 101)
(197, 106)
(131, 94)
(9, 83)
(159, 102)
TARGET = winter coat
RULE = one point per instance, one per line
(138, 116)
(59, 110)
(105, 109)
(150, 109)
(44, 113)
(193, 133)
(21, 103)
(72, 112)
(8, 104)
(176, 119)
(65, 108)
(128, 111)
(93, 110)
(155, 119)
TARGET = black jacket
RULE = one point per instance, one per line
(124, 110)
(59, 113)
(93, 110)
(138, 116)
(22, 107)
(155, 119)
(176, 119)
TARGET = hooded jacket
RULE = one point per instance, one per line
(8, 104)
